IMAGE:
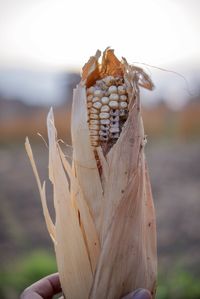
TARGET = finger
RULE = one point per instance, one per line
(44, 288)
(139, 294)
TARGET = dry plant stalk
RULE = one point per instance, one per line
(104, 234)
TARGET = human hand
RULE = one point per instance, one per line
(49, 286)
(44, 288)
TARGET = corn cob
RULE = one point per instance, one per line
(104, 234)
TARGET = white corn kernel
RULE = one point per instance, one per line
(113, 104)
(90, 90)
(95, 99)
(94, 116)
(105, 100)
(94, 121)
(123, 98)
(105, 121)
(114, 97)
(94, 127)
(105, 108)
(121, 90)
(104, 115)
(123, 105)
(93, 110)
(98, 93)
(112, 89)
(97, 105)
(94, 133)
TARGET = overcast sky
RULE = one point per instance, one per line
(62, 34)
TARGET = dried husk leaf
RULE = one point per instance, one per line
(128, 255)
(83, 155)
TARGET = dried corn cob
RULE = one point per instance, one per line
(104, 234)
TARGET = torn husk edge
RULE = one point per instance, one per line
(104, 234)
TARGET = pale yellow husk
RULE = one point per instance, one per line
(104, 234)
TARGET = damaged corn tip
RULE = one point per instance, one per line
(107, 103)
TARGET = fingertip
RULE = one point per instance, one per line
(139, 294)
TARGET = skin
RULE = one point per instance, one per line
(49, 286)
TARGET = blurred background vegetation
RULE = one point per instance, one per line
(39, 59)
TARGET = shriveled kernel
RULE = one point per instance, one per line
(94, 133)
(98, 93)
(124, 114)
(114, 135)
(103, 138)
(114, 112)
(101, 84)
(113, 104)
(94, 127)
(93, 110)
(94, 143)
(105, 100)
(97, 105)
(94, 138)
(112, 89)
(114, 130)
(114, 97)
(114, 118)
(89, 98)
(108, 80)
(105, 127)
(105, 108)
(94, 116)
(121, 90)
(103, 133)
(105, 121)
(104, 115)
(95, 99)
(94, 121)
(90, 90)
(114, 124)
(123, 105)
(123, 98)
(89, 105)
(118, 80)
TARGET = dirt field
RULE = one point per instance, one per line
(175, 175)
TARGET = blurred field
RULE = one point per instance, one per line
(173, 154)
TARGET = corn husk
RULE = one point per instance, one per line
(104, 234)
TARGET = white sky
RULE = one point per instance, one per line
(64, 33)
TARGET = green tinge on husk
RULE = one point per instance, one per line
(104, 234)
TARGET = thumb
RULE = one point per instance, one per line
(139, 294)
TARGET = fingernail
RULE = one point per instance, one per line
(141, 294)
